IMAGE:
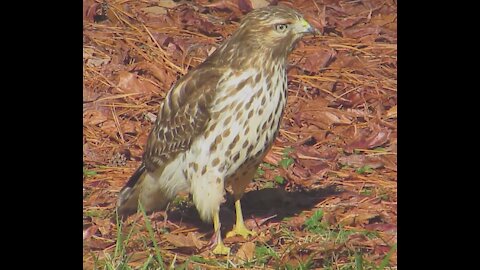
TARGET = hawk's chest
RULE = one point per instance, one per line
(245, 118)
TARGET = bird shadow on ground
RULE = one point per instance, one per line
(258, 204)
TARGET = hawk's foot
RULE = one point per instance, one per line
(240, 229)
(221, 249)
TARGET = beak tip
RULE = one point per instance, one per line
(314, 31)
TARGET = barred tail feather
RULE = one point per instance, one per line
(127, 203)
(153, 189)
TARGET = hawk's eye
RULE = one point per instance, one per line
(281, 27)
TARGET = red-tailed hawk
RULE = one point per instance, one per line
(217, 122)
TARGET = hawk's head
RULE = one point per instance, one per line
(275, 26)
(269, 32)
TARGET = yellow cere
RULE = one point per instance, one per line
(304, 23)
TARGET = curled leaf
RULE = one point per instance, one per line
(246, 251)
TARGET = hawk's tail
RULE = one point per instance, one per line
(128, 197)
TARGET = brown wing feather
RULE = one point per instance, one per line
(182, 117)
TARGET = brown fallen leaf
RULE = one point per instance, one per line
(358, 161)
(132, 127)
(357, 218)
(377, 137)
(196, 241)
(344, 60)
(361, 32)
(384, 227)
(156, 17)
(89, 232)
(162, 75)
(246, 251)
(155, 10)
(94, 59)
(389, 161)
(356, 240)
(190, 18)
(300, 171)
(103, 225)
(347, 22)
(150, 117)
(264, 237)
(392, 112)
(319, 170)
(302, 181)
(93, 117)
(329, 217)
(168, 3)
(381, 249)
(131, 83)
(297, 221)
(316, 113)
(248, 5)
(362, 76)
(225, 4)
(97, 244)
(310, 159)
(179, 240)
(138, 258)
(272, 158)
(328, 118)
(90, 154)
(385, 20)
(90, 9)
(109, 127)
(305, 152)
(314, 61)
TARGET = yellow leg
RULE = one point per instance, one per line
(220, 248)
(239, 228)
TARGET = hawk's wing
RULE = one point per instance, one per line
(183, 116)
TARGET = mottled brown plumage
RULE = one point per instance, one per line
(218, 122)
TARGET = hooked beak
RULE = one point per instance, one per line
(308, 28)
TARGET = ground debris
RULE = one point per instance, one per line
(326, 188)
